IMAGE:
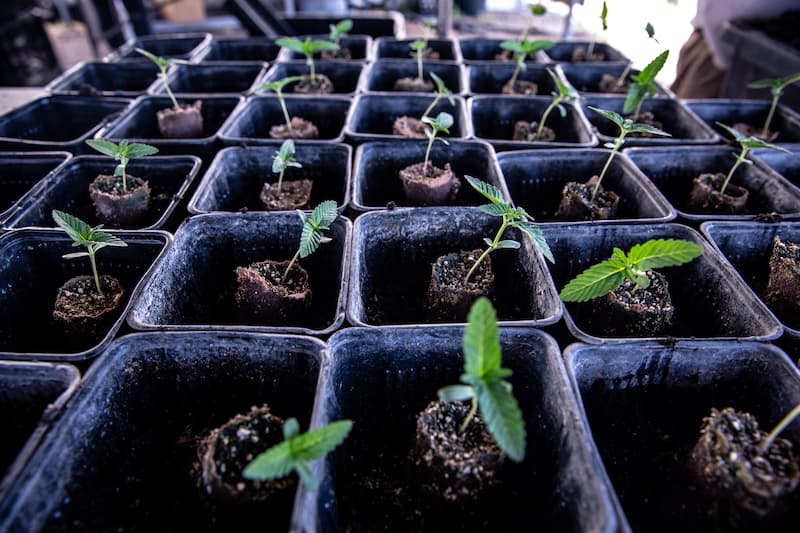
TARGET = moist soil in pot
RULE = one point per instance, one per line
(526, 131)
(263, 296)
(224, 453)
(182, 123)
(783, 286)
(82, 311)
(611, 84)
(706, 198)
(453, 465)
(114, 205)
(577, 204)
(646, 117)
(427, 184)
(760, 133)
(449, 298)
(410, 127)
(579, 56)
(413, 85)
(738, 484)
(295, 194)
(342, 54)
(521, 88)
(301, 129)
(320, 84)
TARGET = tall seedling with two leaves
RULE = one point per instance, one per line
(163, 65)
(643, 86)
(746, 144)
(122, 152)
(441, 92)
(522, 50)
(312, 236)
(277, 88)
(776, 87)
(339, 31)
(563, 92)
(308, 48)
(440, 124)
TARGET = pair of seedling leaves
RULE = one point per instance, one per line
(122, 152)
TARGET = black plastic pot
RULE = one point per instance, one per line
(753, 112)
(391, 267)
(536, 180)
(376, 24)
(33, 394)
(32, 270)
(479, 50)
(360, 47)
(645, 403)
(21, 173)
(372, 115)
(493, 119)
(673, 170)
(787, 165)
(186, 46)
(382, 378)
(345, 75)
(96, 78)
(242, 49)
(109, 463)
(585, 77)
(390, 48)
(252, 121)
(382, 75)
(67, 190)
(710, 300)
(212, 78)
(237, 175)
(376, 182)
(489, 78)
(562, 52)
(678, 120)
(58, 122)
(195, 283)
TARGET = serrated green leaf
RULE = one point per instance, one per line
(141, 150)
(277, 462)
(637, 127)
(503, 418)
(777, 83)
(321, 218)
(481, 344)
(77, 229)
(534, 232)
(512, 46)
(456, 393)
(497, 210)
(595, 281)
(104, 147)
(613, 116)
(488, 190)
(508, 244)
(749, 142)
(659, 253)
(324, 214)
(318, 442)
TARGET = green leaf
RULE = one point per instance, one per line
(531, 47)
(534, 232)
(512, 46)
(749, 142)
(649, 73)
(497, 210)
(345, 25)
(141, 150)
(481, 344)
(324, 214)
(537, 10)
(318, 442)
(604, 15)
(442, 89)
(321, 218)
(595, 281)
(614, 117)
(659, 253)
(278, 85)
(104, 147)
(292, 43)
(284, 157)
(274, 463)
(291, 428)
(651, 31)
(161, 62)
(636, 93)
(503, 418)
(75, 255)
(317, 46)
(419, 45)
(488, 190)
(563, 89)
(777, 83)
(507, 244)
(637, 127)
(456, 393)
(84, 235)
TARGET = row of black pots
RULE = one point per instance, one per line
(609, 431)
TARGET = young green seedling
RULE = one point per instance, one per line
(308, 48)
(283, 159)
(785, 421)
(565, 92)
(604, 277)
(163, 64)
(277, 87)
(747, 144)
(441, 92)
(603, 17)
(644, 85)
(523, 49)
(776, 87)
(122, 152)
(626, 126)
(485, 385)
(513, 217)
(440, 124)
(340, 30)
(419, 47)
(311, 236)
(297, 451)
(84, 235)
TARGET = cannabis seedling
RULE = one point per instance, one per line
(484, 382)
(278, 86)
(626, 126)
(747, 144)
(565, 92)
(340, 30)
(603, 17)
(308, 48)
(283, 159)
(513, 217)
(122, 152)
(604, 277)
(776, 87)
(84, 235)
(419, 47)
(163, 65)
(440, 124)
(311, 236)
(441, 92)
(523, 49)
(644, 85)
(296, 452)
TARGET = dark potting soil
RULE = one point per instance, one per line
(263, 296)
(81, 310)
(610, 84)
(739, 484)
(526, 131)
(413, 85)
(783, 286)
(320, 84)
(646, 117)
(295, 194)
(182, 123)
(579, 55)
(301, 129)
(449, 297)
(576, 202)
(429, 185)
(706, 198)
(520, 87)
(114, 203)
(749, 131)
(413, 128)
(342, 54)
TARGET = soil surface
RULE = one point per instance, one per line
(294, 194)
(81, 310)
(526, 131)
(182, 123)
(116, 206)
(783, 287)
(321, 84)
(749, 131)
(263, 296)
(628, 311)
(706, 198)
(342, 54)
(429, 184)
(413, 128)
(449, 297)
(646, 117)
(301, 129)
(579, 55)
(576, 202)
(520, 87)
(610, 84)
(413, 85)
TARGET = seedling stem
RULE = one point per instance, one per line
(785, 421)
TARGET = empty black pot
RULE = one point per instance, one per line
(345, 75)
(479, 49)
(360, 47)
(186, 46)
(21, 174)
(242, 49)
(237, 175)
(391, 268)
(585, 77)
(109, 463)
(753, 112)
(490, 78)
(562, 52)
(390, 48)
(212, 78)
(382, 75)
(195, 283)
(97, 78)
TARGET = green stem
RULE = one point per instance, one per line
(780, 427)
(638, 110)
(163, 77)
(428, 150)
(488, 250)
(280, 179)
(614, 151)
(285, 111)
(310, 63)
(739, 161)
(517, 70)
(291, 264)
(94, 271)
(472, 410)
(419, 65)
(433, 104)
(124, 180)
(771, 112)
(621, 79)
(547, 111)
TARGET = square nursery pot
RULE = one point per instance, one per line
(482, 50)
(234, 181)
(562, 52)
(536, 180)
(391, 269)
(31, 272)
(227, 77)
(674, 169)
(753, 112)
(710, 300)
(186, 46)
(345, 75)
(21, 174)
(243, 49)
(195, 284)
(32, 397)
(390, 48)
(374, 24)
(67, 190)
(252, 121)
(645, 404)
(586, 78)
(677, 120)
(96, 78)
(58, 122)
(787, 165)
(382, 75)
(493, 119)
(376, 181)
(382, 378)
(109, 464)
(489, 78)
(372, 115)
(360, 47)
